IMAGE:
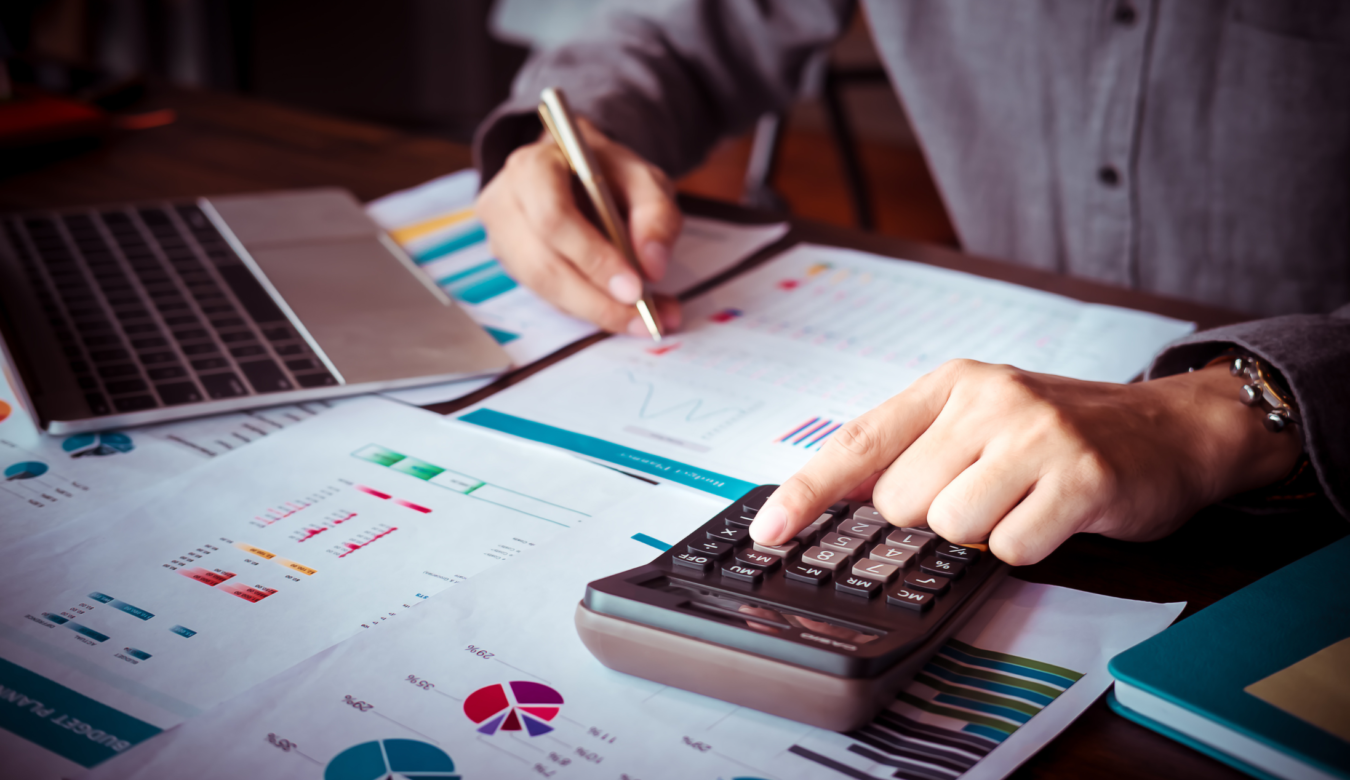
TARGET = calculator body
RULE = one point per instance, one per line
(793, 637)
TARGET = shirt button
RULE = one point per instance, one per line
(1125, 15)
(1108, 175)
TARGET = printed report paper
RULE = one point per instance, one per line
(117, 626)
(773, 363)
(496, 683)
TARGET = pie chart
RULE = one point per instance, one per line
(516, 706)
(27, 470)
(396, 759)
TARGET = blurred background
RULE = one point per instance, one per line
(843, 154)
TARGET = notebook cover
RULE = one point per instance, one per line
(1194, 744)
(1204, 662)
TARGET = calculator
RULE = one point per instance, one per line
(825, 629)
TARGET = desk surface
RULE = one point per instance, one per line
(223, 144)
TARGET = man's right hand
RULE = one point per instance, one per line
(537, 231)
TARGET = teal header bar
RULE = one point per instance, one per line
(63, 721)
(670, 470)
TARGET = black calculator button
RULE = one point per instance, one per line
(758, 559)
(858, 586)
(859, 528)
(738, 571)
(899, 556)
(781, 550)
(942, 567)
(876, 570)
(848, 545)
(729, 534)
(838, 509)
(807, 572)
(807, 536)
(694, 561)
(711, 548)
(910, 599)
(829, 559)
(910, 539)
(955, 552)
(869, 514)
(927, 582)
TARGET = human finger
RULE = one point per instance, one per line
(968, 508)
(943, 451)
(1048, 515)
(654, 218)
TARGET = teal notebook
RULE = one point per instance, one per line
(1261, 679)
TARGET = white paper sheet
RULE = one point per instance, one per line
(773, 362)
(1047, 646)
(435, 224)
(268, 555)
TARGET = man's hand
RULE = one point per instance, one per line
(983, 452)
(539, 234)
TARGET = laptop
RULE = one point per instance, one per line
(128, 314)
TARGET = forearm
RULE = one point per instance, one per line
(670, 86)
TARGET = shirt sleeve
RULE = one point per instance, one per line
(670, 83)
(1312, 352)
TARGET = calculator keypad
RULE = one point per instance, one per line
(861, 554)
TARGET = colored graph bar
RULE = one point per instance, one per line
(822, 437)
(501, 336)
(258, 551)
(100, 597)
(136, 612)
(183, 631)
(480, 283)
(377, 454)
(813, 429)
(134, 653)
(247, 593)
(211, 578)
(591, 447)
(293, 566)
(428, 226)
(416, 468)
(470, 237)
(651, 541)
(461, 483)
(412, 506)
(76, 627)
(798, 429)
(373, 492)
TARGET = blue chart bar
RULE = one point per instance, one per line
(468, 238)
(502, 336)
(483, 282)
(651, 541)
(811, 433)
(591, 447)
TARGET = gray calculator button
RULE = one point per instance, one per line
(927, 582)
(868, 531)
(910, 539)
(900, 556)
(806, 572)
(759, 559)
(728, 534)
(737, 571)
(869, 514)
(941, 567)
(694, 561)
(821, 521)
(877, 570)
(955, 552)
(910, 599)
(781, 550)
(845, 544)
(819, 556)
(858, 586)
(711, 547)
(807, 536)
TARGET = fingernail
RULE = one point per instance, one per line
(636, 327)
(656, 258)
(625, 287)
(768, 525)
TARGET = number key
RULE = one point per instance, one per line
(844, 544)
(819, 556)
(868, 531)
(909, 539)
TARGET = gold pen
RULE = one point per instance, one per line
(557, 117)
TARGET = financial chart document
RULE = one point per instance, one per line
(772, 364)
(495, 683)
(116, 627)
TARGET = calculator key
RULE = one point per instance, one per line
(955, 552)
(899, 556)
(729, 534)
(711, 548)
(694, 561)
(807, 536)
(910, 599)
(808, 572)
(781, 550)
(822, 521)
(910, 539)
(868, 531)
(877, 570)
(737, 571)
(759, 559)
(819, 556)
(942, 567)
(869, 514)
(838, 509)
(927, 582)
(844, 544)
(858, 586)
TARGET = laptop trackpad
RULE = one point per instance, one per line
(371, 316)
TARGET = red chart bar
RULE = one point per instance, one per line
(411, 505)
(373, 492)
(211, 578)
(247, 593)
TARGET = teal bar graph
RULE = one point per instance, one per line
(480, 283)
(468, 238)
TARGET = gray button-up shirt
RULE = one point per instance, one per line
(1193, 148)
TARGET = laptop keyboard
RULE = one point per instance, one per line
(153, 308)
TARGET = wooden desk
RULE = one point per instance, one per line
(225, 144)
